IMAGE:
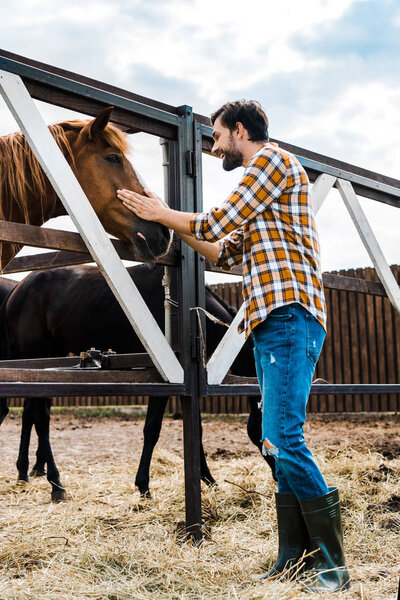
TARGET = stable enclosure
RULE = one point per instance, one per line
(172, 367)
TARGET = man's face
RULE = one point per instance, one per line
(225, 147)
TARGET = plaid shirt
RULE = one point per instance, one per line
(274, 236)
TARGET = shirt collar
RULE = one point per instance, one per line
(266, 145)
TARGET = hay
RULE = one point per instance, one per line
(106, 543)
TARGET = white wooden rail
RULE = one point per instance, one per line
(86, 221)
(370, 242)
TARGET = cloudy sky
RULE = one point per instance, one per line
(326, 71)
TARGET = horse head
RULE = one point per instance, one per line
(98, 159)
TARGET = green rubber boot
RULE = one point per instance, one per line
(328, 571)
(293, 537)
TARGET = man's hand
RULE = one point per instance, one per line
(152, 208)
(149, 207)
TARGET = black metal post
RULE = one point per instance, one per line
(182, 196)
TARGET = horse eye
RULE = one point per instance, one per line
(114, 159)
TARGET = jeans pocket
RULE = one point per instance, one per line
(279, 317)
(282, 313)
(315, 338)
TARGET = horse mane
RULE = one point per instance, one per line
(21, 175)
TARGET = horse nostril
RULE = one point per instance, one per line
(139, 234)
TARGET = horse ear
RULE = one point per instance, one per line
(99, 123)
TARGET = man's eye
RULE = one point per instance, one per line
(114, 159)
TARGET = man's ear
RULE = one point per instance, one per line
(240, 130)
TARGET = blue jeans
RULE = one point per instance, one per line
(286, 349)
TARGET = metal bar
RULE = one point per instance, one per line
(189, 299)
(362, 181)
(366, 183)
(342, 388)
(41, 389)
(87, 81)
(115, 361)
(85, 91)
(128, 121)
(201, 339)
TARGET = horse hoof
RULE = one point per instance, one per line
(59, 495)
(22, 479)
(209, 482)
(37, 473)
(145, 495)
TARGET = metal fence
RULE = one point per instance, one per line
(362, 346)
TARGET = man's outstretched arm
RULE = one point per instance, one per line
(152, 208)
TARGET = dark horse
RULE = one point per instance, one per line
(67, 310)
(96, 152)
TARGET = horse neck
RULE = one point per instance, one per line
(26, 195)
(44, 207)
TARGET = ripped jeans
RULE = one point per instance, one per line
(286, 349)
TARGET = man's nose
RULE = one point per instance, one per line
(214, 149)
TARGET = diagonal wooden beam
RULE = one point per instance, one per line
(320, 189)
(86, 221)
(370, 242)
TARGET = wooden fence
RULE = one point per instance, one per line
(362, 346)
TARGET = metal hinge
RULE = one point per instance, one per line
(195, 347)
(190, 163)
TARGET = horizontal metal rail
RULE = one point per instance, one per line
(366, 183)
(115, 361)
(52, 390)
(44, 86)
(316, 389)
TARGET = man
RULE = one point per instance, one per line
(270, 226)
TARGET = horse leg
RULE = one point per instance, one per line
(204, 470)
(151, 433)
(23, 454)
(38, 469)
(254, 431)
(3, 409)
(42, 426)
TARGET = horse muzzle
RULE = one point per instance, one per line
(151, 240)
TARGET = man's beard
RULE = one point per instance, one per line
(232, 157)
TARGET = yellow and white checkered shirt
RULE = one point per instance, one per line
(274, 236)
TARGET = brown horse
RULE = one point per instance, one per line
(96, 152)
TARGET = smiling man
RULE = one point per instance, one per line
(267, 225)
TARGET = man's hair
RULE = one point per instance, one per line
(247, 112)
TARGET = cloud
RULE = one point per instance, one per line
(325, 70)
(367, 36)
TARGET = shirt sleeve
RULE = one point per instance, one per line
(263, 181)
(231, 250)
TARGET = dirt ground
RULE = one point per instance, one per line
(80, 440)
(106, 543)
